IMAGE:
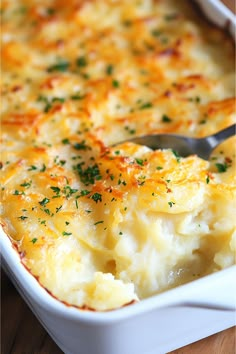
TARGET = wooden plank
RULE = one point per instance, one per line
(231, 4)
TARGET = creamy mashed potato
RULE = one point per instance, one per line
(102, 226)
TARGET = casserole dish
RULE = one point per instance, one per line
(117, 331)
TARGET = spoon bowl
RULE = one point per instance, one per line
(183, 145)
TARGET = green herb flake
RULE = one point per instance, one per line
(221, 167)
(58, 99)
(58, 208)
(77, 97)
(166, 119)
(68, 191)
(47, 211)
(32, 168)
(115, 83)
(130, 130)
(207, 179)
(171, 204)
(65, 141)
(64, 233)
(127, 23)
(26, 184)
(97, 197)
(34, 240)
(156, 33)
(16, 192)
(61, 66)
(139, 161)
(146, 105)
(51, 11)
(44, 201)
(43, 169)
(88, 175)
(84, 192)
(98, 222)
(176, 154)
(22, 217)
(81, 146)
(81, 62)
(109, 69)
(55, 190)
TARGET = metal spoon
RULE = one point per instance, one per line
(183, 145)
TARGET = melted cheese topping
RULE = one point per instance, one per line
(104, 226)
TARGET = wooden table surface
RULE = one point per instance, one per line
(21, 333)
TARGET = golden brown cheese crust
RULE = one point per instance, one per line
(79, 76)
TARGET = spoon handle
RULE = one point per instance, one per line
(224, 134)
(205, 146)
(216, 139)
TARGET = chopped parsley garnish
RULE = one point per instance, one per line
(97, 197)
(146, 105)
(178, 157)
(88, 175)
(221, 167)
(99, 222)
(51, 11)
(166, 119)
(127, 23)
(81, 61)
(156, 33)
(49, 103)
(22, 217)
(130, 130)
(84, 192)
(43, 168)
(34, 240)
(61, 66)
(196, 99)
(77, 97)
(32, 168)
(44, 201)
(68, 191)
(64, 233)
(58, 99)
(109, 69)
(81, 146)
(58, 209)
(16, 192)
(159, 168)
(65, 141)
(171, 204)
(139, 161)
(26, 184)
(207, 179)
(56, 190)
(115, 83)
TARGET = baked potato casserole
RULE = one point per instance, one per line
(101, 226)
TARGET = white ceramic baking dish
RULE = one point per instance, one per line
(156, 325)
